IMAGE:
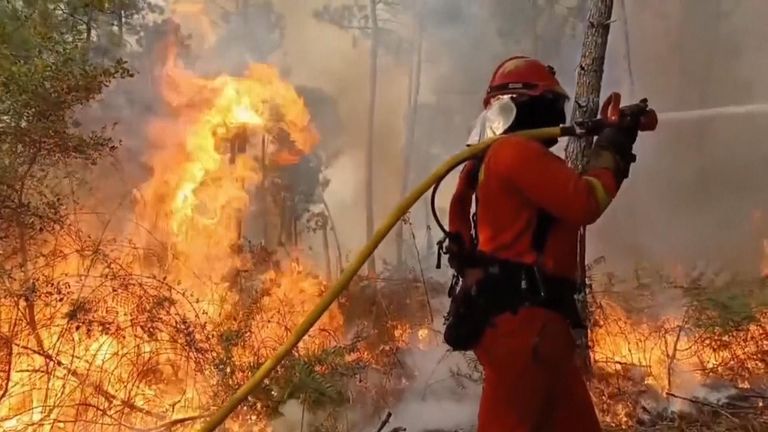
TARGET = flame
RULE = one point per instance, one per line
(208, 159)
(145, 329)
(104, 339)
(620, 341)
(672, 354)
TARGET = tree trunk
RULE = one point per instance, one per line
(89, 26)
(430, 246)
(264, 193)
(586, 105)
(6, 361)
(236, 146)
(281, 226)
(296, 234)
(327, 250)
(120, 22)
(590, 75)
(335, 233)
(374, 59)
(244, 11)
(627, 47)
(414, 86)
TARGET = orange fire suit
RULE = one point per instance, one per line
(532, 382)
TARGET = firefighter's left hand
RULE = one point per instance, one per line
(619, 141)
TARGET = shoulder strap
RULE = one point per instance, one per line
(544, 222)
(475, 181)
(479, 166)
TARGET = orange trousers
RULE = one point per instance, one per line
(532, 382)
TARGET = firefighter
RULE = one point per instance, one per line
(518, 258)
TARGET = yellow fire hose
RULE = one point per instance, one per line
(346, 277)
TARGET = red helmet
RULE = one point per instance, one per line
(523, 75)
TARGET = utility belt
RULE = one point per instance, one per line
(506, 287)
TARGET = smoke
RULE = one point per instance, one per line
(445, 393)
(437, 399)
(691, 196)
(127, 108)
(294, 418)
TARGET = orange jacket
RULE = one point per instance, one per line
(517, 178)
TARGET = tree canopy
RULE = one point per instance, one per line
(46, 75)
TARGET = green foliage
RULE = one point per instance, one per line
(46, 75)
(552, 20)
(716, 301)
(319, 380)
(728, 307)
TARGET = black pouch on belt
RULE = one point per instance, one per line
(499, 291)
(466, 321)
(473, 308)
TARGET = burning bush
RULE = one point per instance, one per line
(706, 353)
(152, 327)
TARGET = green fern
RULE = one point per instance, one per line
(319, 379)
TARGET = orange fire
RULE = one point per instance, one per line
(674, 354)
(105, 350)
(621, 341)
(207, 160)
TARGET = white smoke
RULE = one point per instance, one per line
(295, 418)
(437, 400)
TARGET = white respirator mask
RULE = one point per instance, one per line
(494, 120)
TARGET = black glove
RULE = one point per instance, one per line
(619, 141)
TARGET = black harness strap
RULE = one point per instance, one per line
(475, 182)
(469, 316)
(544, 222)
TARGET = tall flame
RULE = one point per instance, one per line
(208, 157)
(110, 336)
